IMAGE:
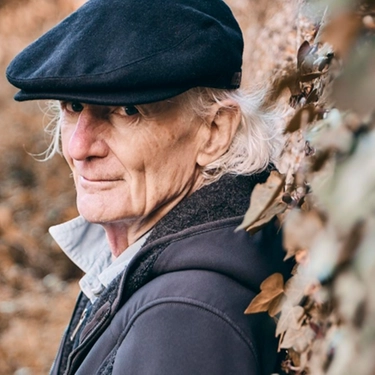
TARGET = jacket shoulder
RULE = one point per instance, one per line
(198, 312)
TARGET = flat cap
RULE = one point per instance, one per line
(116, 52)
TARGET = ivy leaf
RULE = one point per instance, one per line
(303, 116)
(296, 286)
(348, 193)
(262, 197)
(290, 318)
(330, 134)
(287, 81)
(310, 76)
(271, 294)
(276, 305)
(342, 31)
(302, 52)
(351, 294)
(298, 339)
(355, 88)
(276, 208)
(309, 224)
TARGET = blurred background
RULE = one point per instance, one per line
(38, 284)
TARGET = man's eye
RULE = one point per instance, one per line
(128, 110)
(76, 107)
(72, 106)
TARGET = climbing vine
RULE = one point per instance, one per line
(324, 198)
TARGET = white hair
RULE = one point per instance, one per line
(255, 145)
(258, 139)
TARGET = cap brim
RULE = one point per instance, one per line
(104, 98)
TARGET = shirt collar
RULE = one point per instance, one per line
(86, 245)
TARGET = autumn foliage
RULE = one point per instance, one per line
(324, 198)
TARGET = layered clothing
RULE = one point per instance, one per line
(178, 306)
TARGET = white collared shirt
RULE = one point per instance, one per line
(86, 245)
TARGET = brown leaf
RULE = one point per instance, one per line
(271, 289)
(289, 81)
(294, 357)
(310, 76)
(298, 339)
(300, 230)
(303, 51)
(276, 208)
(262, 197)
(350, 295)
(6, 218)
(341, 32)
(354, 89)
(319, 160)
(332, 134)
(302, 116)
(291, 318)
(369, 22)
(276, 305)
(302, 256)
(295, 288)
(312, 97)
(354, 240)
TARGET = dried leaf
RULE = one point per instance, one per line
(294, 357)
(271, 289)
(6, 218)
(302, 117)
(298, 339)
(296, 287)
(349, 294)
(341, 32)
(319, 160)
(276, 305)
(290, 318)
(355, 88)
(369, 22)
(310, 76)
(262, 197)
(303, 51)
(289, 81)
(312, 97)
(300, 230)
(302, 256)
(350, 246)
(348, 192)
(276, 208)
(337, 139)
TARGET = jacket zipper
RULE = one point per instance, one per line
(55, 368)
(87, 341)
(79, 324)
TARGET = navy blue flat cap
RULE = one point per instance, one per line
(116, 52)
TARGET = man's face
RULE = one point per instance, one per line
(130, 167)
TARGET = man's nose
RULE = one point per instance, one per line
(87, 139)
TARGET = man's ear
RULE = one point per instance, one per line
(221, 125)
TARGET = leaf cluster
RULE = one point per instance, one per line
(325, 201)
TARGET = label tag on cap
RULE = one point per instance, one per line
(236, 79)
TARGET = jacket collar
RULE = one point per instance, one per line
(83, 242)
(86, 245)
(222, 201)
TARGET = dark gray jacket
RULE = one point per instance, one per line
(179, 307)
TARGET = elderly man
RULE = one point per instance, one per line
(164, 150)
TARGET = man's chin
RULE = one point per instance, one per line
(104, 219)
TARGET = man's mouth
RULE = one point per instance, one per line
(97, 181)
